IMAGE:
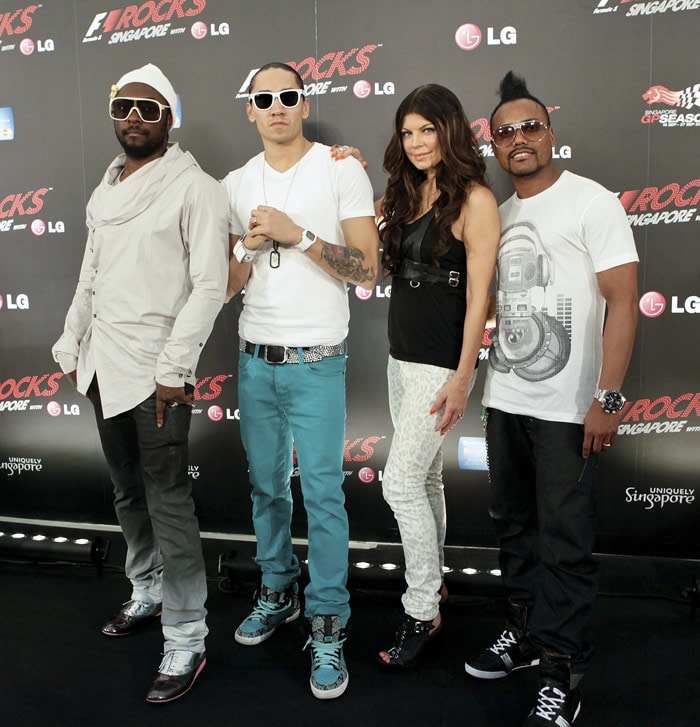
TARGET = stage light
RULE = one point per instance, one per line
(389, 566)
(495, 572)
(469, 571)
(59, 548)
(362, 565)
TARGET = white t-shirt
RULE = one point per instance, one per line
(548, 346)
(298, 303)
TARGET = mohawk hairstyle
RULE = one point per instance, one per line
(513, 88)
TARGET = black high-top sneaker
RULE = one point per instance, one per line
(512, 649)
(558, 704)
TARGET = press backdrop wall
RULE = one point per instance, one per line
(622, 81)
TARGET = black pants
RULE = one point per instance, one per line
(543, 509)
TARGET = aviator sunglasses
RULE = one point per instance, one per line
(532, 130)
(149, 110)
(289, 98)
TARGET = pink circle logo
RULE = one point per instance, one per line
(652, 304)
(362, 89)
(366, 475)
(26, 47)
(468, 36)
(215, 413)
(53, 408)
(363, 294)
(38, 227)
(199, 30)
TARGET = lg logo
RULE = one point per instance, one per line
(469, 36)
(653, 304)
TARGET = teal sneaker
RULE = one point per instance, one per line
(329, 675)
(272, 609)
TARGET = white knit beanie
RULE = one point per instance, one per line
(152, 76)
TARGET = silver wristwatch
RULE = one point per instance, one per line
(611, 400)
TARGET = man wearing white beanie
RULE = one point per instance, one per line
(153, 280)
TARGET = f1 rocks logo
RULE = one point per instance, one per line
(640, 9)
(663, 415)
(151, 19)
(319, 72)
(662, 205)
(17, 22)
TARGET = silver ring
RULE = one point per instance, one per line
(460, 416)
(607, 444)
(173, 404)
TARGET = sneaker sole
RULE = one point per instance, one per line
(479, 674)
(330, 693)
(255, 640)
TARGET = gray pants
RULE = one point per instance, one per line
(412, 483)
(154, 506)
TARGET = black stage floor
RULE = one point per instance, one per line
(57, 669)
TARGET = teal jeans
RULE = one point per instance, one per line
(300, 404)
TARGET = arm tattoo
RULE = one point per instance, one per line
(347, 262)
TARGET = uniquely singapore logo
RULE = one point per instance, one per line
(688, 99)
(663, 415)
(661, 496)
(151, 20)
(319, 74)
(671, 203)
(633, 8)
(18, 465)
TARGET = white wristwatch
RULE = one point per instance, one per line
(242, 253)
(307, 240)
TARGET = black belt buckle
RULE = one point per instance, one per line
(275, 355)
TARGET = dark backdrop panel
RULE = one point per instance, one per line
(619, 80)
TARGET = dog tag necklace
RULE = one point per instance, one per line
(275, 252)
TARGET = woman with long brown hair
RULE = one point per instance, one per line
(440, 231)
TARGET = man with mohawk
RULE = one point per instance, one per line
(566, 319)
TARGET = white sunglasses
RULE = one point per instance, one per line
(289, 98)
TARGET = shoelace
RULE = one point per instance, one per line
(505, 641)
(262, 610)
(176, 662)
(137, 608)
(325, 654)
(548, 706)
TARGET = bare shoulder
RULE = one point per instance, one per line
(479, 198)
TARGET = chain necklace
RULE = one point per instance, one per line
(275, 252)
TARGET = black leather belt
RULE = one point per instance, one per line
(422, 273)
(277, 355)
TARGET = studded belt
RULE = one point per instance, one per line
(277, 355)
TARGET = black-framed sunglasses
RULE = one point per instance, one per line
(150, 111)
(532, 130)
(289, 98)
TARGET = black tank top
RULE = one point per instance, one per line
(426, 321)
